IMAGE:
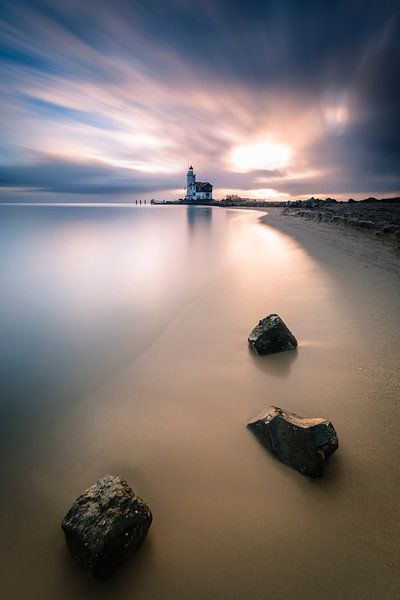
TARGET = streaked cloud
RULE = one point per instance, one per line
(267, 99)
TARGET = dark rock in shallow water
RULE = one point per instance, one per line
(303, 444)
(272, 335)
(106, 524)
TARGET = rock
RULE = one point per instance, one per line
(303, 444)
(370, 215)
(105, 524)
(271, 335)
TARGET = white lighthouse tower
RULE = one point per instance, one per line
(197, 190)
(190, 184)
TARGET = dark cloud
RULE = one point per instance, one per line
(306, 44)
(67, 177)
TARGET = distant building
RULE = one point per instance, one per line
(197, 190)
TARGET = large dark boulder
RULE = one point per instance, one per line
(303, 444)
(272, 335)
(105, 524)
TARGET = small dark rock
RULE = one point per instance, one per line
(105, 524)
(272, 335)
(303, 444)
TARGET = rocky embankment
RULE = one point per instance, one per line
(382, 219)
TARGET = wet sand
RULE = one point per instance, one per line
(229, 520)
(370, 245)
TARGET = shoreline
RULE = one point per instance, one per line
(364, 228)
(332, 242)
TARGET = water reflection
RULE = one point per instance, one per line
(199, 216)
(275, 364)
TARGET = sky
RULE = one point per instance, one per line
(277, 99)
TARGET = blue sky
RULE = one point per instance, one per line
(274, 99)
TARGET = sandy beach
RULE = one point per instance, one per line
(332, 241)
(170, 396)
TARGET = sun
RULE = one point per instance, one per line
(263, 155)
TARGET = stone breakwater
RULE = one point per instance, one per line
(381, 219)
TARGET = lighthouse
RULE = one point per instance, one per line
(197, 190)
(190, 183)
